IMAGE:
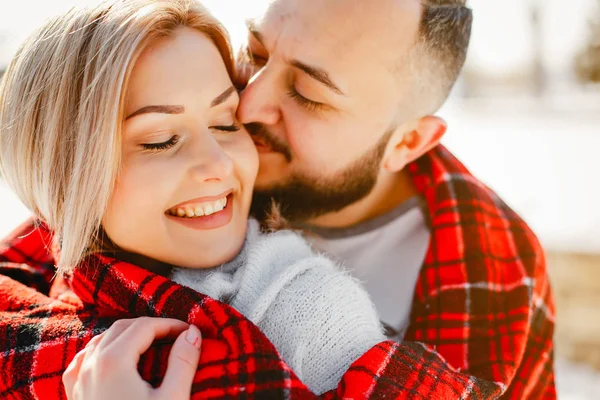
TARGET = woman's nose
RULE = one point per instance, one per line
(211, 164)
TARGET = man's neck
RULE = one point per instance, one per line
(390, 191)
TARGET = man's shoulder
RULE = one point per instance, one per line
(487, 221)
(472, 226)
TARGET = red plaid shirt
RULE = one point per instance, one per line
(481, 324)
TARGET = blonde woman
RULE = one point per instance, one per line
(118, 131)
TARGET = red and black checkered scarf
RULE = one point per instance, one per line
(481, 324)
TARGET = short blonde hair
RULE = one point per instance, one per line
(62, 109)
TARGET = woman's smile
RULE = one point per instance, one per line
(203, 214)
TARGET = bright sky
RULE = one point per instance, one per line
(22, 16)
(18, 18)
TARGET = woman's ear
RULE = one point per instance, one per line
(410, 142)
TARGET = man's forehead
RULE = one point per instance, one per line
(347, 18)
(367, 27)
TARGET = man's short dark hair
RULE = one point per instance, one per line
(441, 48)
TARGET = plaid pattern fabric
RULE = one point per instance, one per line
(483, 300)
(481, 325)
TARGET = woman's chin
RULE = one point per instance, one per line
(216, 258)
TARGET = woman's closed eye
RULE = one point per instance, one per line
(173, 140)
(227, 128)
(162, 145)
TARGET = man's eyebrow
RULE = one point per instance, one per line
(162, 109)
(220, 99)
(318, 74)
(254, 32)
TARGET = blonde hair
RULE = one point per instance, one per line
(62, 109)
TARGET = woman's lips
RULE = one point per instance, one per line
(206, 222)
(200, 203)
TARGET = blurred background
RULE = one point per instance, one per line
(524, 117)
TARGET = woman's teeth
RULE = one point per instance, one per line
(199, 210)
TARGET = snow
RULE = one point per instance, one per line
(576, 382)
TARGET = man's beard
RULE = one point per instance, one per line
(303, 197)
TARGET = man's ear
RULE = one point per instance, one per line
(410, 142)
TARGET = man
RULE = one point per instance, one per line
(341, 107)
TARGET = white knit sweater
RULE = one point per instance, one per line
(319, 318)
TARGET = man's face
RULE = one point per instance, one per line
(325, 98)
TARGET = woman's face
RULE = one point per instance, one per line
(188, 166)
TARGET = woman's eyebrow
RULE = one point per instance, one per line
(160, 109)
(176, 109)
(220, 99)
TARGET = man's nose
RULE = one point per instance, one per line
(259, 100)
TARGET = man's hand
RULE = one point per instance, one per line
(107, 367)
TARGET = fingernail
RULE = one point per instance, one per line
(193, 336)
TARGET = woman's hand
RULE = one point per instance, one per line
(107, 367)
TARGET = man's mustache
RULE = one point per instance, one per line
(259, 132)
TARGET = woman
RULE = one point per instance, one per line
(119, 133)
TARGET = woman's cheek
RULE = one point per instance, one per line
(251, 161)
(138, 193)
(245, 158)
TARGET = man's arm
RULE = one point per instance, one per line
(469, 340)
(483, 314)
(512, 358)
